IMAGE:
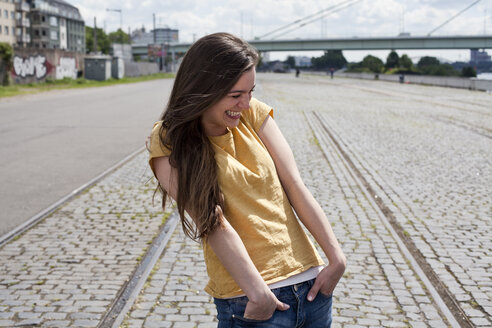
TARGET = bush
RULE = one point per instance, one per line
(428, 61)
(468, 71)
(6, 54)
(393, 60)
(406, 62)
(374, 64)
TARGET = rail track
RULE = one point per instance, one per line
(383, 201)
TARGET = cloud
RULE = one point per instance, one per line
(257, 17)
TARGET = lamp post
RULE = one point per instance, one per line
(121, 21)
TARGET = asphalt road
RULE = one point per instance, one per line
(52, 143)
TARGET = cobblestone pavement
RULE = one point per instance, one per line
(425, 150)
(67, 270)
(379, 289)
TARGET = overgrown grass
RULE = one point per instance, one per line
(67, 83)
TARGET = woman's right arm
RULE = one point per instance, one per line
(232, 253)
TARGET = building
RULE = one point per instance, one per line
(478, 57)
(7, 22)
(157, 36)
(56, 24)
(23, 23)
(302, 61)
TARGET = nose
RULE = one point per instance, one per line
(244, 102)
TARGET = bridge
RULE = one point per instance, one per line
(356, 43)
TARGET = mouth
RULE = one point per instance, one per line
(233, 115)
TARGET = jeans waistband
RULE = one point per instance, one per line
(302, 287)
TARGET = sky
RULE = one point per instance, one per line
(253, 18)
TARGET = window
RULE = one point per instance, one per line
(43, 19)
(6, 29)
(36, 32)
(53, 21)
(19, 31)
(0, 30)
(5, 13)
(62, 22)
(43, 33)
(12, 14)
(54, 35)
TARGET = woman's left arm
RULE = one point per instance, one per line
(307, 208)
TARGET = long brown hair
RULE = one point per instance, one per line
(207, 73)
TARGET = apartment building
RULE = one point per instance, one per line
(23, 24)
(56, 24)
(7, 22)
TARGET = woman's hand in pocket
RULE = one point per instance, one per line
(327, 279)
(264, 308)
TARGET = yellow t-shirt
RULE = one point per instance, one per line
(256, 206)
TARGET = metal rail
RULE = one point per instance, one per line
(444, 299)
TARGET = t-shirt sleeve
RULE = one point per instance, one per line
(156, 148)
(257, 113)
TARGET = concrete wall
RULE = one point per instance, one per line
(443, 81)
(36, 65)
(140, 68)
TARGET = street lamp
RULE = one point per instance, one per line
(121, 21)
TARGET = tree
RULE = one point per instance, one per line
(6, 56)
(468, 71)
(428, 61)
(103, 42)
(291, 61)
(330, 59)
(119, 37)
(406, 62)
(393, 60)
(374, 64)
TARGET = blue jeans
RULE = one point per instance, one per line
(302, 313)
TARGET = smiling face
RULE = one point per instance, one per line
(227, 111)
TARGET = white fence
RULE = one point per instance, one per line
(443, 81)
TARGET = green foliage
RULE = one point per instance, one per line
(431, 66)
(426, 66)
(374, 64)
(119, 37)
(428, 61)
(6, 55)
(393, 60)
(68, 83)
(330, 59)
(468, 71)
(291, 61)
(357, 68)
(406, 62)
(103, 42)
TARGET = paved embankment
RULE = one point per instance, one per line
(67, 270)
(53, 142)
(402, 172)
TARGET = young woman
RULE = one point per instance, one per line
(218, 152)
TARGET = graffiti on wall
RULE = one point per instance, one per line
(66, 68)
(36, 66)
(39, 67)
